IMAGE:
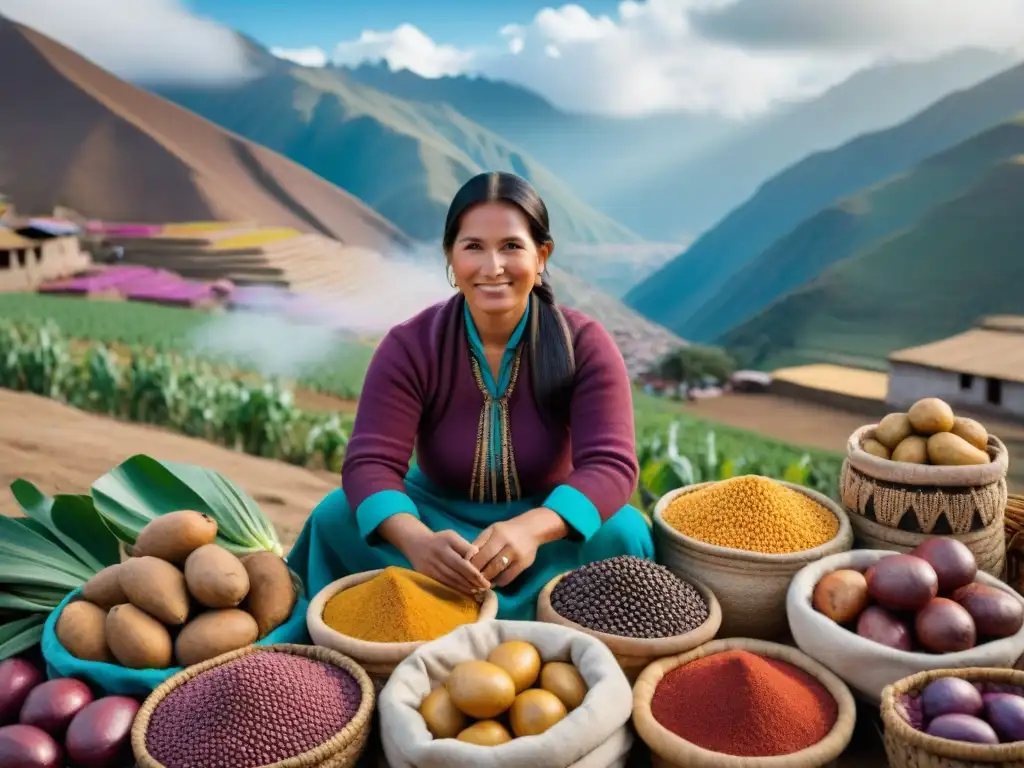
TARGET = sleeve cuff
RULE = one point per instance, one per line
(576, 509)
(378, 507)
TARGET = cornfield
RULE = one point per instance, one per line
(260, 417)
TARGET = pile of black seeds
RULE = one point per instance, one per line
(259, 709)
(630, 597)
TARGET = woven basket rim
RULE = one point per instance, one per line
(826, 750)
(365, 648)
(899, 728)
(639, 646)
(683, 541)
(927, 475)
(825, 625)
(359, 721)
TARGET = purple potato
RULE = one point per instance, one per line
(17, 678)
(950, 696)
(98, 736)
(880, 626)
(25, 746)
(1005, 713)
(52, 705)
(962, 728)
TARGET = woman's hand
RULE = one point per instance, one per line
(442, 555)
(506, 549)
(447, 557)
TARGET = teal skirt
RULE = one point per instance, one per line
(330, 546)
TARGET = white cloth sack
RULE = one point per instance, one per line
(866, 666)
(594, 735)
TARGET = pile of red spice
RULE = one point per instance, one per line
(739, 703)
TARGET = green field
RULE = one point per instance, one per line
(59, 347)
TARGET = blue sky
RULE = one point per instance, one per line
(301, 23)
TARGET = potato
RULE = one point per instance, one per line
(913, 450)
(213, 633)
(948, 450)
(272, 594)
(930, 416)
(81, 629)
(215, 577)
(104, 589)
(893, 430)
(157, 587)
(175, 536)
(875, 448)
(972, 431)
(137, 640)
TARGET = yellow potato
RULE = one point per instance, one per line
(930, 416)
(893, 430)
(949, 450)
(972, 431)
(913, 450)
(876, 448)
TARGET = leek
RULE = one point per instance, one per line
(60, 544)
(143, 488)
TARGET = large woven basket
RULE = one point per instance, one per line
(1013, 525)
(633, 654)
(750, 586)
(922, 498)
(907, 747)
(343, 750)
(378, 659)
(669, 750)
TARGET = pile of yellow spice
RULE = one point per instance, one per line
(753, 513)
(399, 606)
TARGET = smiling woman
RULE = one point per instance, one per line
(521, 416)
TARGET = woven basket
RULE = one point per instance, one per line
(378, 659)
(669, 750)
(750, 586)
(1013, 525)
(341, 751)
(633, 654)
(922, 498)
(907, 747)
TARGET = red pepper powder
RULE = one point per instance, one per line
(739, 703)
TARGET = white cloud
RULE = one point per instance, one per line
(406, 47)
(733, 57)
(311, 56)
(140, 40)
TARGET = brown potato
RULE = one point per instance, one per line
(175, 536)
(213, 633)
(972, 431)
(104, 589)
(215, 577)
(137, 640)
(913, 450)
(81, 629)
(272, 594)
(157, 587)
(947, 449)
(893, 430)
(930, 416)
(875, 448)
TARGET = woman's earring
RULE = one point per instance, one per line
(451, 277)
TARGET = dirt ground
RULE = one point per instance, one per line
(63, 450)
(818, 426)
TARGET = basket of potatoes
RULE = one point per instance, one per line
(927, 472)
(179, 600)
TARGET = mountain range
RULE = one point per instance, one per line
(694, 293)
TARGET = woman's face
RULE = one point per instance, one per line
(494, 258)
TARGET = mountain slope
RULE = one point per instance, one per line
(675, 293)
(959, 262)
(689, 196)
(853, 224)
(73, 134)
(404, 159)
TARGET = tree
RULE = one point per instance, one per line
(692, 365)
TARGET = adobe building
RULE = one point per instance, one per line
(35, 251)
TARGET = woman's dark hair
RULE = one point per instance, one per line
(550, 348)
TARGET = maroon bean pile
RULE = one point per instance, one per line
(259, 709)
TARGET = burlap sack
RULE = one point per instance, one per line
(868, 666)
(594, 735)
(378, 659)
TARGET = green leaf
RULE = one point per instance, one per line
(799, 471)
(659, 477)
(12, 599)
(21, 546)
(142, 488)
(73, 521)
(31, 573)
(18, 636)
